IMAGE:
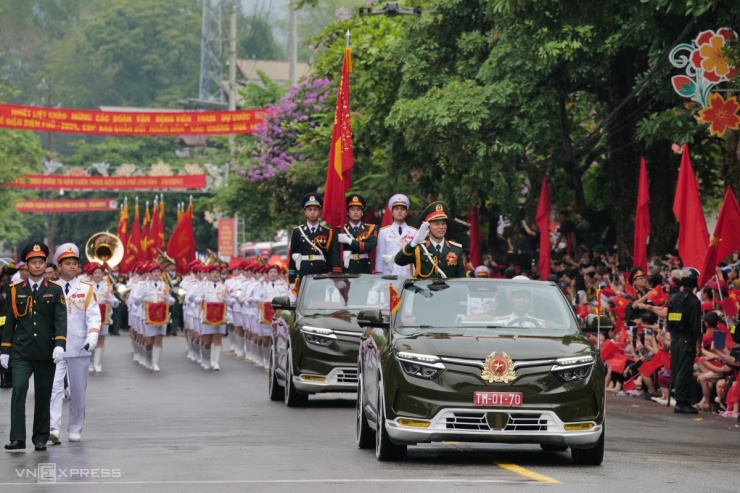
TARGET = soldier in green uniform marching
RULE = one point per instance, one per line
(34, 340)
(433, 256)
(355, 240)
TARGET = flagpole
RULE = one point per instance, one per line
(724, 312)
(347, 36)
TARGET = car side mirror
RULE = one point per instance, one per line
(282, 303)
(371, 318)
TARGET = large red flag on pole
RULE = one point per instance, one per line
(475, 258)
(160, 229)
(341, 158)
(133, 247)
(181, 245)
(151, 244)
(122, 231)
(726, 237)
(642, 220)
(693, 238)
(145, 228)
(542, 220)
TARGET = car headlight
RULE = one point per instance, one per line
(573, 369)
(318, 335)
(420, 365)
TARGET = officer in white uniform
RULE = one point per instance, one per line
(83, 328)
(392, 238)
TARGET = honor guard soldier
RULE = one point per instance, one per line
(83, 330)
(393, 237)
(355, 240)
(34, 337)
(310, 243)
(435, 256)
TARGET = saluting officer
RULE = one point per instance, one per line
(83, 330)
(35, 335)
(435, 256)
(393, 237)
(310, 243)
(355, 240)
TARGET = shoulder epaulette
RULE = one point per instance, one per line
(385, 227)
(16, 283)
(55, 282)
(86, 282)
(455, 244)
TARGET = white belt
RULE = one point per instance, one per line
(358, 256)
(313, 257)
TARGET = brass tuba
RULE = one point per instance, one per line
(108, 249)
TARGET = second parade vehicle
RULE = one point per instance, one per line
(314, 341)
(479, 360)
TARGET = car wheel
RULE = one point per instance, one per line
(365, 435)
(551, 447)
(292, 397)
(590, 456)
(385, 450)
(274, 390)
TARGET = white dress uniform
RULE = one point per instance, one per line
(390, 240)
(153, 292)
(83, 327)
(265, 292)
(107, 301)
(211, 292)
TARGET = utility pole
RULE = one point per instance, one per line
(232, 82)
(292, 44)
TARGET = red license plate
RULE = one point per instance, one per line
(498, 399)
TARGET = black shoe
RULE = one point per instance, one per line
(39, 446)
(684, 409)
(15, 445)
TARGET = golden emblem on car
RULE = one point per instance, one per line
(498, 369)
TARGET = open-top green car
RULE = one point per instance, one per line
(314, 342)
(479, 360)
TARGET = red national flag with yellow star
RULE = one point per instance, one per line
(395, 299)
(726, 237)
(133, 245)
(658, 296)
(122, 231)
(341, 157)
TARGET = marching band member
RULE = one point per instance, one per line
(154, 295)
(231, 324)
(135, 313)
(249, 309)
(188, 311)
(237, 308)
(264, 292)
(107, 302)
(212, 296)
(83, 329)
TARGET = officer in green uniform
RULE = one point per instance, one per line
(433, 256)
(310, 243)
(34, 338)
(355, 240)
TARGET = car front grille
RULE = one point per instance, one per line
(482, 421)
(347, 375)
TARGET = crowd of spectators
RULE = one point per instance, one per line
(635, 343)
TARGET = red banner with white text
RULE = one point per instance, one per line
(226, 237)
(57, 182)
(67, 205)
(129, 123)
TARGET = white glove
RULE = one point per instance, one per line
(58, 355)
(92, 341)
(344, 238)
(421, 235)
(4, 360)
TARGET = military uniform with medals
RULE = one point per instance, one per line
(310, 246)
(430, 259)
(391, 239)
(352, 250)
(34, 335)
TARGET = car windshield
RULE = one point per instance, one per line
(323, 295)
(469, 306)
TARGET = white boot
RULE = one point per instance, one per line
(90, 368)
(239, 348)
(97, 357)
(148, 360)
(232, 343)
(189, 345)
(215, 357)
(156, 352)
(206, 363)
